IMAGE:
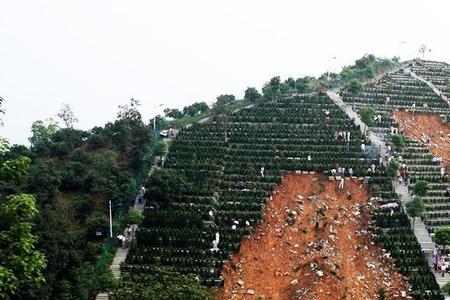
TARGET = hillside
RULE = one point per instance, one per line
(73, 174)
(246, 203)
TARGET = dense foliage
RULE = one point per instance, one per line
(160, 284)
(72, 175)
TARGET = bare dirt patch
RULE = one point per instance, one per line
(322, 251)
(416, 125)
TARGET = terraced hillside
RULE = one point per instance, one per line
(400, 90)
(227, 169)
(225, 173)
(438, 73)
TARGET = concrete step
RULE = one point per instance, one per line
(102, 296)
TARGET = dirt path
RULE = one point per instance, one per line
(325, 254)
(416, 125)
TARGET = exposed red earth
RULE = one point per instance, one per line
(416, 125)
(312, 244)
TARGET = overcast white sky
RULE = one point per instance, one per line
(96, 55)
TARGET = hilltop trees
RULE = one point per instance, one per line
(354, 86)
(272, 89)
(252, 95)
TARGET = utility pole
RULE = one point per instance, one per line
(110, 224)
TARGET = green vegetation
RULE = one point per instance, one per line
(421, 188)
(367, 114)
(398, 141)
(366, 68)
(354, 86)
(442, 236)
(161, 148)
(415, 208)
(160, 284)
(72, 174)
(21, 263)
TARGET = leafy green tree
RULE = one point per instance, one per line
(21, 264)
(222, 108)
(41, 136)
(44, 180)
(307, 84)
(195, 109)
(225, 99)
(393, 168)
(164, 183)
(15, 170)
(442, 236)
(272, 89)
(252, 95)
(173, 113)
(398, 141)
(415, 208)
(133, 216)
(161, 148)
(160, 284)
(354, 86)
(421, 188)
(367, 114)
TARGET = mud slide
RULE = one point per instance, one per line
(313, 244)
(417, 125)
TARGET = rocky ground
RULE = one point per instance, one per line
(313, 244)
(417, 125)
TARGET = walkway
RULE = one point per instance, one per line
(121, 253)
(420, 231)
(430, 85)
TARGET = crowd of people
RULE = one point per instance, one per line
(441, 262)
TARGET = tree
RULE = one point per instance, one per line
(251, 95)
(367, 114)
(130, 111)
(306, 84)
(225, 99)
(173, 113)
(398, 141)
(41, 139)
(160, 284)
(442, 236)
(393, 168)
(161, 148)
(354, 87)
(133, 216)
(415, 208)
(44, 180)
(15, 170)
(272, 89)
(421, 188)
(164, 183)
(21, 264)
(222, 108)
(67, 115)
(195, 109)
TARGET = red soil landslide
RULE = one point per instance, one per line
(325, 254)
(418, 124)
